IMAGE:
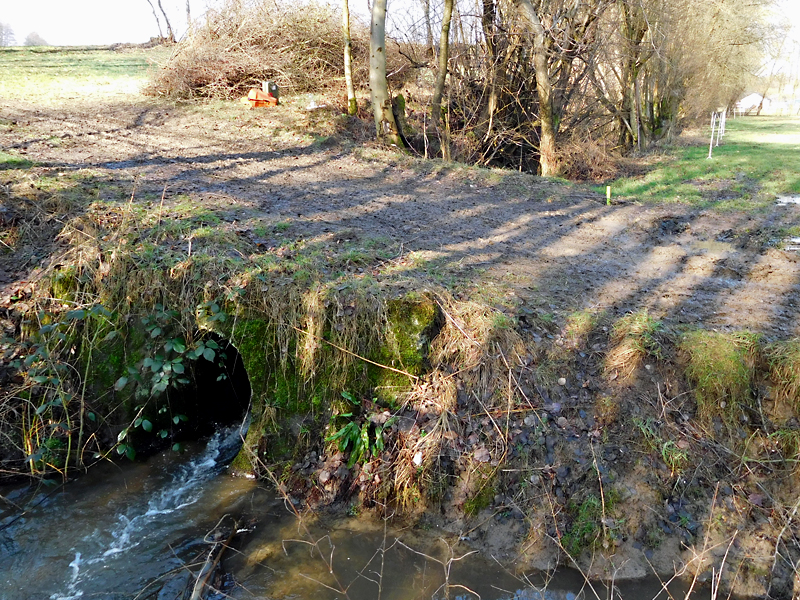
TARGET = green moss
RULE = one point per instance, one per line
(108, 361)
(64, 284)
(412, 323)
(279, 392)
(480, 500)
(255, 340)
(586, 530)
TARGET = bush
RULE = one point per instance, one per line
(242, 44)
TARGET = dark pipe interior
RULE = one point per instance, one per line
(219, 394)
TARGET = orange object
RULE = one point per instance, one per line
(257, 98)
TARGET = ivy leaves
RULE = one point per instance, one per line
(167, 366)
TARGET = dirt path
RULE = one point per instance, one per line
(526, 243)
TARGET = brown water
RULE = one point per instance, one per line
(135, 530)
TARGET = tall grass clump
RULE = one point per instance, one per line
(784, 369)
(721, 367)
(242, 44)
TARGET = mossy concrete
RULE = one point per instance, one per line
(411, 325)
(292, 404)
(291, 408)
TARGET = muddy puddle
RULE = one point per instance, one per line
(143, 530)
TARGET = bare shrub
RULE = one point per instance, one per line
(241, 44)
(585, 159)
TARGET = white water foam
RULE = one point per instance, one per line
(182, 491)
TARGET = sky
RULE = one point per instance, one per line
(100, 22)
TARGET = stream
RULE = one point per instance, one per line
(139, 530)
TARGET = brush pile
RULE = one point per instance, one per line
(242, 44)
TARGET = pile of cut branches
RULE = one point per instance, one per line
(241, 44)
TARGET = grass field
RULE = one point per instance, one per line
(52, 74)
(757, 160)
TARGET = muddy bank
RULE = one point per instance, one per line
(510, 360)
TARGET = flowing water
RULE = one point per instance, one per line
(136, 530)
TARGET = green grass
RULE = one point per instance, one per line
(758, 159)
(721, 368)
(586, 530)
(11, 161)
(50, 74)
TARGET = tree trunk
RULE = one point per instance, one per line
(352, 105)
(426, 8)
(158, 21)
(441, 76)
(548, 160)
(493, 70)
(634, 28)
(385, 123)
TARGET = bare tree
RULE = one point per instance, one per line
(158, 21)
(170, 32)
(664, 60)
(426, 10)
(548, 162)
(385, 122)
(441, 76)
(6, 35)
(561, 31)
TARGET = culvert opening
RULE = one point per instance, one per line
(219, 395)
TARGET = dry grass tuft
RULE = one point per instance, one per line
(633, 338)
(784, 369)
(419, 462)
(479, 349)
(479, 341)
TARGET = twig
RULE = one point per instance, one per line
(496, 426)
(705, 543)
(557, 541)
(161, 206)
(445, 565)
(780, 535)
(346, 351)
(457, 326)
(214, 556)
(716, 578)
(602, 494)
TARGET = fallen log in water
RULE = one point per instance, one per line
(202, 583)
